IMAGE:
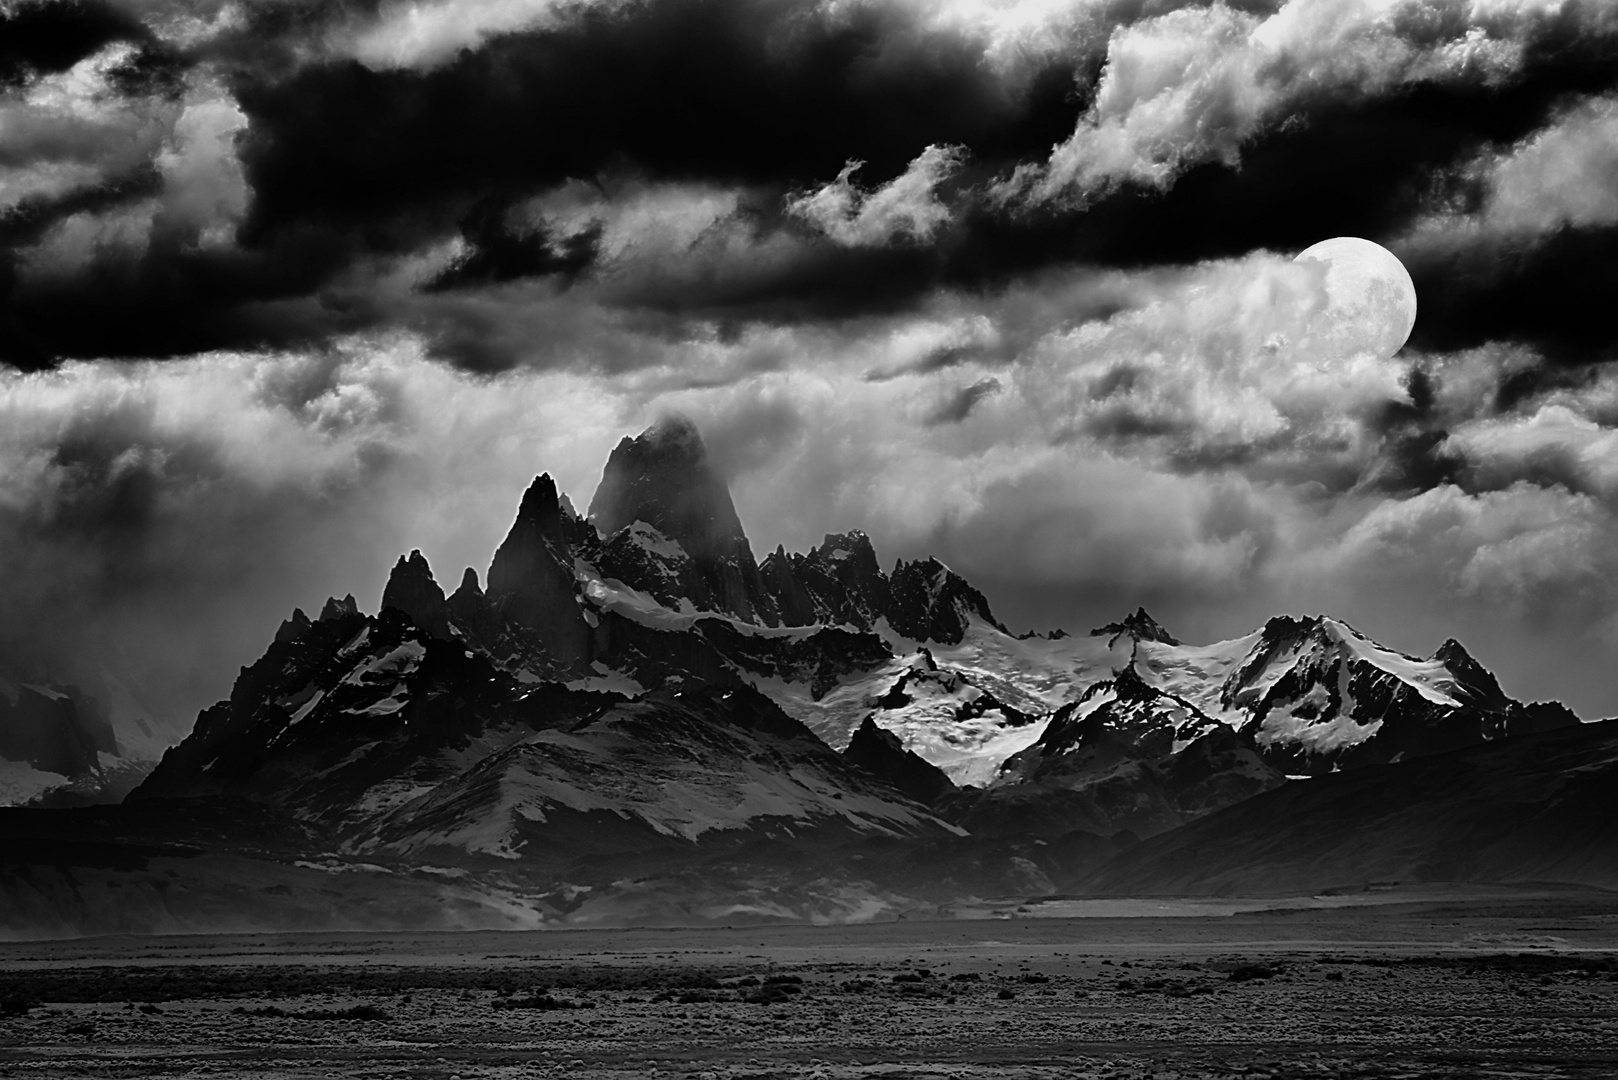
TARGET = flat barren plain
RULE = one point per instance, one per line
(1519, 983)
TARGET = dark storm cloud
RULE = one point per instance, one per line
(347, 165)
(693, 89)
(1555, 294)
(353, 169)
(723, 90)
(496, 252)
(47, 36)
(168, 301)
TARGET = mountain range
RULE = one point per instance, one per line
(628, 718)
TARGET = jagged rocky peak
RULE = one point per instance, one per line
(930, 602)
(663, 478)
(339, 609)
(795, 603)
(1140, 626)
(293, 628)
(852, 547)
(469, 586)
(470, 609)
(850, 560)
(412, 589)
(1479, 682)
(531, 581)
(839, 582)
(880, 753)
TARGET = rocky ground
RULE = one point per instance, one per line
(1513, 987)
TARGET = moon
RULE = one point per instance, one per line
(1370, 299)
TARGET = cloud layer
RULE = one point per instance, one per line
(193, 175)
(287, 288)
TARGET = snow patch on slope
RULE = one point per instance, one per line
(20, 782)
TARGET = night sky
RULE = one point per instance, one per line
(288, 288)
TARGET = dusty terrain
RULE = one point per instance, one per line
(1503, 984)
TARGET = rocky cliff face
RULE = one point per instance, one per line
(838, 582)
(53, 728)
(930, 602)
(412, 590)
(531, 581)
(663, 478)
(881, 754)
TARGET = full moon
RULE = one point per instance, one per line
(1370, 299)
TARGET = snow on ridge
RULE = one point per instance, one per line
(678, 798)
(307, 707)
(610, 594)
(46, 692)
(609, 680)
(1313, 736)
(649, 538)
(1427, 677)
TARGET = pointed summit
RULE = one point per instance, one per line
(880, 753)
(928, 601)
(293, 628)
(412, 590)
(663, 477)
(531, 578)
(469, 585)
(471, 611)
(1140, 626)
(1483, 688)
(339, 609)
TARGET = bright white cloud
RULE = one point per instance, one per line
(74, 131)
(1554, 444)
(1539, 551)
(1563, 176)
(1196, 84)
(424, 34)
(65, 132)
(905, 207)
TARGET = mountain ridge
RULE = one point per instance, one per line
(627, 718)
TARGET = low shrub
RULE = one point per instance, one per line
(540, 1001)
(353, 1012)
(772, 995)
(697, 997)
(1249, 972)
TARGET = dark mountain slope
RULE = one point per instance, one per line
(1536, 807)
